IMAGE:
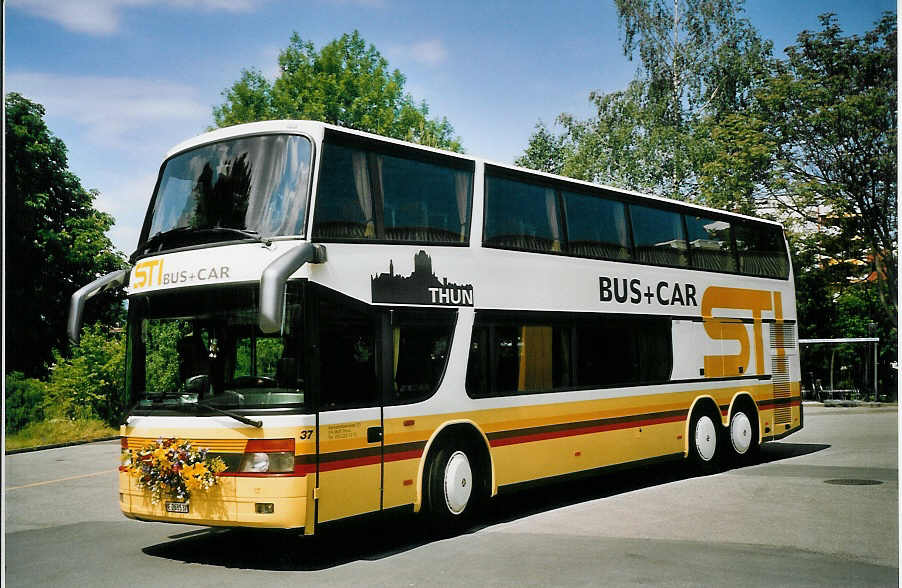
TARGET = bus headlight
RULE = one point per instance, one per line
(268, 456)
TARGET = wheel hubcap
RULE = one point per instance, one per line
(458, 482)
(741, 433)
(705, 438)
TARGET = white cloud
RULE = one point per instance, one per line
(431, 52)
(126, 198)
(112, 112)
(117, 131)
(103, 17)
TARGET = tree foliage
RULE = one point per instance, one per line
(699, 61)
(830, 112)
(346, 83)
(56, 240)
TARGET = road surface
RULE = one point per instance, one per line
(821, 509)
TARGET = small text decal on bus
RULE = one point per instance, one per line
(150, 273)
(633, 291)
(420, 287)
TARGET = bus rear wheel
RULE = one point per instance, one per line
(704, 441)
(742, 435)
(451, 488)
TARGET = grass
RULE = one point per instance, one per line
(58, 431)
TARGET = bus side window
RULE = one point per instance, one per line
(424, 202)
(347, 357)
(761, 250)
(596, 227)
(711, 243)
(344, 204)
(510, 356)
(658, 236)
(521, 216)
(421, 342)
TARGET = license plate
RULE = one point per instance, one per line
(181, 507)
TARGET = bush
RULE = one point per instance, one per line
(91, 382)
(24, 401)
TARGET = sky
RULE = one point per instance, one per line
(122, 81)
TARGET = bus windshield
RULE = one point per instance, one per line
(256, 184)
(205, 347)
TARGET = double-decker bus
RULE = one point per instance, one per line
(354, 324)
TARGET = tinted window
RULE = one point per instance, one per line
(623, 351)
(420, 341)
(347, 356)
(363, 194)
(762, 251)
(516, 353)
(521, 216)
(510, 357)
(711, 244)
(344, 202)
(424, 201)
(658, 236)
(596, 227)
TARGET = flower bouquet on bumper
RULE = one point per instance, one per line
(172, 468)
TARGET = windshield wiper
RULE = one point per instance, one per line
(192, 406)
(158, 237)
(229, 413)
(246, 233)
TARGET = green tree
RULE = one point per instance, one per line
(817, 148)
(699, 60)
(830, 111)
(346, 83)
(56, 241)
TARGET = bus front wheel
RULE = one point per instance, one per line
(451, 490)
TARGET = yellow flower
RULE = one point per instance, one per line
(217, 465)
(193, 475)
(161, 457)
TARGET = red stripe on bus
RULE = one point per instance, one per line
(349, 463)
(582, 431)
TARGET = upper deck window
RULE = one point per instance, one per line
(658, 236)
(367, 194)
(255, 184)
(596, 227)
(762, 251)
(521, 216)
(711, 244)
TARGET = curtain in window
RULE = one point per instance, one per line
(462, 189)
(364, 191)
(551, 208)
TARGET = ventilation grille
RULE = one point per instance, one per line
(215, 445)
(782, 388)
(782, 336)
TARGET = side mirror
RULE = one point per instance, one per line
(272, 282)
(112, 280)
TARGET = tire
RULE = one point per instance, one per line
(705, 432)
(452, 488)
(741, 439)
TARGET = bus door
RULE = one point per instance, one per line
(345, 365)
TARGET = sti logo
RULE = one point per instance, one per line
(755, 302)
(150, 273)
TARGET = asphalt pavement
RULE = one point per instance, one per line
(820, 509)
